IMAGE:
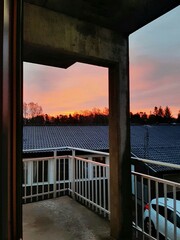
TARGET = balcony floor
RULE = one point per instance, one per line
(62, 218)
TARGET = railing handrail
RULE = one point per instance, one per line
(44, 158)
(90, 161)
(164, 164)
(164, 181)
(134, 157)
(65, 148)
(62, 157)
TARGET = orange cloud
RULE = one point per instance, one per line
(58, 91)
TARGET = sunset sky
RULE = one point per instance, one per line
(154, 75)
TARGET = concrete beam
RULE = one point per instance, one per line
(119, 139)
(50, 36)
(124, 16)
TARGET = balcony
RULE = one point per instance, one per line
(64, 181)
(62, 218)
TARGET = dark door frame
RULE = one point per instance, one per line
(10, 118)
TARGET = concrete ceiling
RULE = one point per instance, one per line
(119, 17)
(125, 16)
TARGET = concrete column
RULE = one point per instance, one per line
(120, 167)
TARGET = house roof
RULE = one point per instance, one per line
(87, 137)
(160, 143)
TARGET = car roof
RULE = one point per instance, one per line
(170, 203)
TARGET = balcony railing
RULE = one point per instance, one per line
(156, 203)
(80, 177)
(87, 181)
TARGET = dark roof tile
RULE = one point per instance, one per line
(161, 143)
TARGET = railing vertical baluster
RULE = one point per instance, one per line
(37, 183)
(89, 188)
(82, 174)
(107, 169)
(25, 180)
(43, 179)
(108, 190)
(100, 202)
(29, 173)
(31, 179)
(79, 167)
(135, 194)
(104, 189)
(157, 210)
(77, 178)
(86, 166)
(142, 203)
(174, 214)
(54, 179)
(48, 179)
(73, 173)
(90, 169)
(149, 200)
(92, 185)
(96, 197)
(59, 175)
(64, 173)
(69, 177)
(165, 209)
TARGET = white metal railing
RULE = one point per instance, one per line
(85, 180)
(45, 177)
(156, 204)
(91, 185)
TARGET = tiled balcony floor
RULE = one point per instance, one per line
(64, 219)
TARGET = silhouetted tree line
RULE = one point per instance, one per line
(158, 116)
(33, 115)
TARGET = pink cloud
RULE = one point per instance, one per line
(154, 82)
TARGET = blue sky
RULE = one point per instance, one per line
(155, 53)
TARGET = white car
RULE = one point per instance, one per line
(159, 217)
